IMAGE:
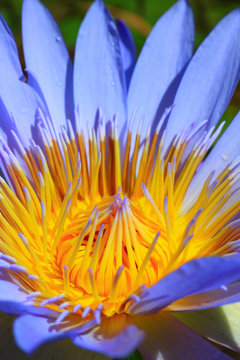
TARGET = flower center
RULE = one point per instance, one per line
(86, 230)
(112, 242)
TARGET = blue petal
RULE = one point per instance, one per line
(13, 300)
(128, 49)
(32, 331)
(47, 59)
(159, 68)
(167, 338)
(11, 292)
(117, 346)
(99, 79)
(18, 101)
(9, 49)
(222, 296)
(194, 277)
(225, 151)
(210, 79)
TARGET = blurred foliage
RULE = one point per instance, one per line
(140, 15)
(134, 356)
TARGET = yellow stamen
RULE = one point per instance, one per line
(78, 228)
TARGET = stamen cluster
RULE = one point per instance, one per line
(83, 230)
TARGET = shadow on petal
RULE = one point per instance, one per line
(219, 324)
(168, 338)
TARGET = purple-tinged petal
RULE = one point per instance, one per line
(223, 153)
(210, 79)
(13, 300)
(99, 80)
(47, 59)
(21, 107)
(194, 277)
(31, 331)
(11, 292)
(219, 324)
(159, 68)
(9, 49)
(222, 296)
(60, 350)
(167, 338)
(106, 340)
(128, 49)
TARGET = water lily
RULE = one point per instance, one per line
(119, 224)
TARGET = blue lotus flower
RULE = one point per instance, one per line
(116, 230)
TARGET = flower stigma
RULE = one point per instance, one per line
(84, 230)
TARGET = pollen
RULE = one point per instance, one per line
(86, 223)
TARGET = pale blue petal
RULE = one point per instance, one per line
(210, 79)
(59, 350)
(99, 80)
(47, 59)
(159, 68)
(194, 277)
(117, 346)
(225, 151)
(13, 300)
(11, 292)
(32, 331)
(128, 49)
(222, 296)
(18, 101)
(169, 339)
(9, 49)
